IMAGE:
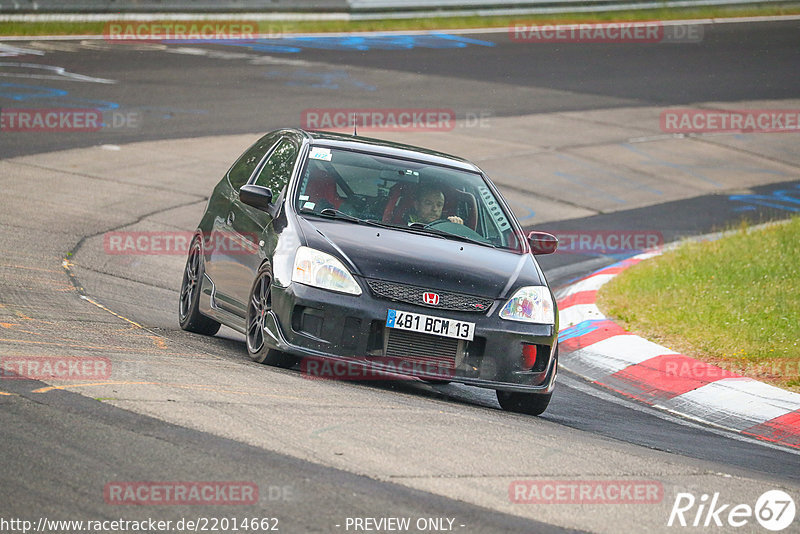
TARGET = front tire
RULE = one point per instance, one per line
(527, 403)
(189, 315)
(258, 308)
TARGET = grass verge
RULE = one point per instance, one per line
(276, 28)
(734, 302)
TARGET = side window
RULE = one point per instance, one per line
(247, 163)
(278, 168)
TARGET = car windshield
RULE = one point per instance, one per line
(409, 195)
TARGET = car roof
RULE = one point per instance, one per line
(381, 146)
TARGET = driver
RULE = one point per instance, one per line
(428, 205)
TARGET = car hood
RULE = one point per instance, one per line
(422, 260)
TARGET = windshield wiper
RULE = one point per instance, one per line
(336, 214)
(417, 227)
(422, 227)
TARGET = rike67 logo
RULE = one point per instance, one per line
(774, 510)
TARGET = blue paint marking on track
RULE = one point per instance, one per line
(782, 199)
(22, 92)
(359, 43)
(580, 329)
(463, 41)
(48, 95)
(517, 208)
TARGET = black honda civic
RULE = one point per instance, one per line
(357, 258)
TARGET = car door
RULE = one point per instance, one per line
(221, 259)
(249, 226)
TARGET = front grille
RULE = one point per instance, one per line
(413, 295)
(423, 348)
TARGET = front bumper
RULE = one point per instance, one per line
(317, 324)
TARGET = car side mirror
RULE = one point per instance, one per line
(542, 243)
(258, 196)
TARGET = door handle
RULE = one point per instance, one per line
(231, 218)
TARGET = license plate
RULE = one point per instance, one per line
(428, 324)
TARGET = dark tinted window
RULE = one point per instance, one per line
(396, 191)
(247, 163)
(278, 168)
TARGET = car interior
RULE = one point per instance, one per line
(384, 190)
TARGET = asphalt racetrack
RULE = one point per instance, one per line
(570, 132)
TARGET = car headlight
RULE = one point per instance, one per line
(530, 305)
(315, 268)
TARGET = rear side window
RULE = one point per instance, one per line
(247, 163)
(278, 168)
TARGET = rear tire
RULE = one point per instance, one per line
(189, 315)
(527, 403)
(258, 308)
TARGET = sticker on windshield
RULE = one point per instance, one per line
(309, 205)
(323, 154)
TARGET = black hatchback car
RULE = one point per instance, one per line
(347, 253)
